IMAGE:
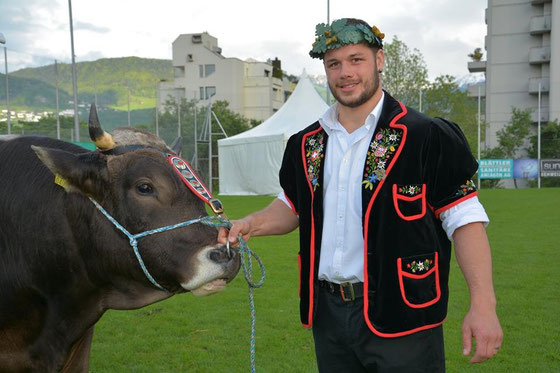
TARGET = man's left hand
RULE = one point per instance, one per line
(484, 327)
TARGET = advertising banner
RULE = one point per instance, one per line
(495, 169)
(525, 168)
(550, 167)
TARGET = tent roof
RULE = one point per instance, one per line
(303, 108)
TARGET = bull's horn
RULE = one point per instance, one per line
(101, 139)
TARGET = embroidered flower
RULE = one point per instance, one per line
(314, 146)
(381, 150)
(411, 190)
(420, 266)
(466, 188)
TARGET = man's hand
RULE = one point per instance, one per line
(276, 218)
(484, 327)
(481, 322)
(239, 227)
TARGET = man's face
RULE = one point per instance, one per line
(352, 73)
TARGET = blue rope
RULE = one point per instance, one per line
(212, 221)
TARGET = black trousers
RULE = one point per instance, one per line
(344, 343)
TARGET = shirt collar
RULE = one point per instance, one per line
(329, 120)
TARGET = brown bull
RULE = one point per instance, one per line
(63, 263)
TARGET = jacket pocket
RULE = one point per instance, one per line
(410, 201)
(419, 280)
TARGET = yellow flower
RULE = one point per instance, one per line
(378, 33)
(392, 148)
(334, 39)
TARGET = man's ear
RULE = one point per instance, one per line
(85, 172)
(380, 60)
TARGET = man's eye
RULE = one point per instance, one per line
(145, 189)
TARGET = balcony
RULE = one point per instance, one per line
(534, 85)
(480, 66)
(535, 114)
(540, 24)
(539, 55)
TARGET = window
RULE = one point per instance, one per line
(210, 91)
(209, 69)
(207, 92)
(206, 70)
(267, 73)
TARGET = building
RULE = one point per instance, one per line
(523, 52)
(253, 89)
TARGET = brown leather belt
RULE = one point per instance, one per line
(348, 291)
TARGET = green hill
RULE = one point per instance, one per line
(34, 88)
(32, 93)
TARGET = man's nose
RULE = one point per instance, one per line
(346, 70)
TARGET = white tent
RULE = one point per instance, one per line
(250, 161)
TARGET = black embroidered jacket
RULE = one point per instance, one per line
(416, 167)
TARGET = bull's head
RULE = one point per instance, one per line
(131, 178)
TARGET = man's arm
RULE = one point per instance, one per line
(276, 218)
(481, 322)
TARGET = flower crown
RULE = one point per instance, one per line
(339, 33)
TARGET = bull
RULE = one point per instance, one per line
(63, 263)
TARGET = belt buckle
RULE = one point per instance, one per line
(347, 291)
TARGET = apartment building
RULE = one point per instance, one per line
(523, 53)
(253, 89)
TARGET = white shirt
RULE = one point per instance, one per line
(343, 241)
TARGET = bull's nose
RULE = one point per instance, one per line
(220, 255)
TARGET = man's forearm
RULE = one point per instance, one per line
(276, 218)
(473, 255)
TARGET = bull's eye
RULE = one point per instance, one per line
(145, 189)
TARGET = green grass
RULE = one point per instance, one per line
(211, 334)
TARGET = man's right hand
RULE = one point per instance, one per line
(238, 227)
(276, 218)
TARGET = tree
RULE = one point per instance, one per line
(512, 136)
(405, 72)
(550, 148)
(476, 55)
(193, 114)
(443, 98)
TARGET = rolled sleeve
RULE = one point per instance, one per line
(468, 211)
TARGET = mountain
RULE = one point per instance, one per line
(469, 80)
(111, 78)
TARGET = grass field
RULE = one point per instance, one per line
(188, 334)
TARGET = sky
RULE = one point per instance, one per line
(38, 31)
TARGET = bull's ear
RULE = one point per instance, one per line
(86, 172)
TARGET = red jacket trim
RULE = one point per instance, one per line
(393, 124)
(454, 203)
(312, 238)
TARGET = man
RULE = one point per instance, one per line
(378, 190)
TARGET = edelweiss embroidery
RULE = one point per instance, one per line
(314, 146)
(411, 190)
(466, 189)
(420, 266)
(379, 155)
